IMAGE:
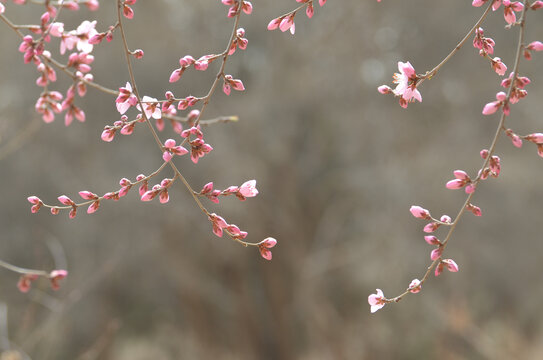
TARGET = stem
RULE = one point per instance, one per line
(431, 73)
(23, 271)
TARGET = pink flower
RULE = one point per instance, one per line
(264, 247)
(2, 8)
(420, 212)
(415, 286)
(171, 149)
(248, 188)
(406, 82)
(377, 300)
(83, 34)
(125, 99)
(498, 66)
(198, 149)
(151, 107)
(509, 10)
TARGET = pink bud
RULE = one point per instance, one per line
(461, 174)
(274, 24)
(384, 89)
(432, 240)
(439, 269)
(108, 135)
(167, 156)
(87, 195)
(34, 200)
(55, 276)
(415, 286)
(65, 200)
(436, 253)
(451, 265)
(248, 188)
(286, 23)
(309, 11)
(491, 107)
(164, 197)
(430, 227)
(455, 184)
(207, 188)
(264, 247)
(148, 196)
(536, 138)
(93, 207)
(536, 45)
(420, 212)
(446, 219)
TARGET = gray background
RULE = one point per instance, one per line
(338, 165)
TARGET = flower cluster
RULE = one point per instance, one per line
(286, 22)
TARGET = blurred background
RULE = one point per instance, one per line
(337, 165)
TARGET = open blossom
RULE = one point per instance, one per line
(406, 85)
(151, 107)
(125, 99)
(82, 35)
(376, 301)
(248, 188)
(407, 81)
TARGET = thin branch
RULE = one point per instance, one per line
(491, 149)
